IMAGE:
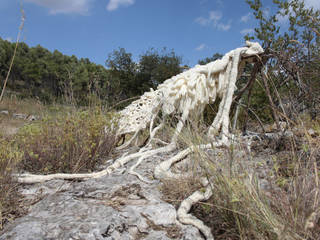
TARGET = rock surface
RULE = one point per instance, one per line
(111, 207)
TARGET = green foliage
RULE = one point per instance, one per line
(75, 142)
(38, 73)
(293, 49)
(122, 70)
(133, 79)
(54, 77)
(259, 104)
(157, 66)
(299, 38)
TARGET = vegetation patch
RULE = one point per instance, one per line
(9, 196)
(68, 143)
(241, 208)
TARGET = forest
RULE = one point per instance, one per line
(55, 77)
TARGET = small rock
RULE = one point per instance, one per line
(31, 118)
(4, 112)
(264, 185)
(312, 132)
(19, 116)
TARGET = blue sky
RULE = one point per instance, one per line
(92, 29)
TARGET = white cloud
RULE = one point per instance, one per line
(115, 4)
(64, 6)
(201, 47)
(245, 18)
(246, 31)
(266, 12)
(283, 20)
(215, 16)
(312, 3)
(214, 20)
(224, 26)
(202, 21)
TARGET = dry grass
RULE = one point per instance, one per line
(26, 106)
(175, 191)
(240, 209)
(10, 125)
(70, 143)
(9, 196)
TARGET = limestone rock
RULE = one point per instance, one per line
(111, 207)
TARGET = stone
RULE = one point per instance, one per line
(4, 112)
(31, 118)
(312, 132)
(110, 207)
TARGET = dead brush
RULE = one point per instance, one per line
(73, 143)
(240, 208)
(9, 196)
(239, 203)
(176, 190)
(13, 104)
(289, 211)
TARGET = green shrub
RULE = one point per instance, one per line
(68, 143)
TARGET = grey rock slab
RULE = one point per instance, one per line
(111, 207)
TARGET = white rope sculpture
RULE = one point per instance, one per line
(186, 94)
